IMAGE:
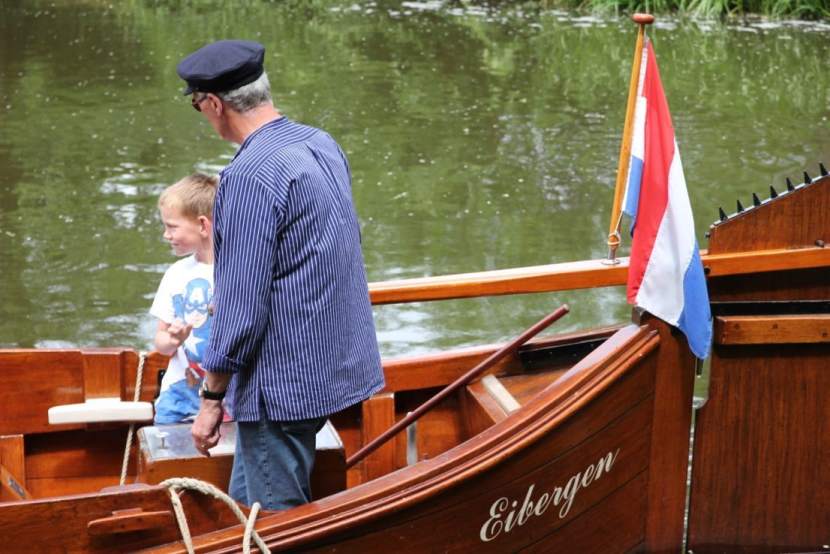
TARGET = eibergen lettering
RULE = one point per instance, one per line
(505, 514)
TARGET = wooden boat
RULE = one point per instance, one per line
(578, 442)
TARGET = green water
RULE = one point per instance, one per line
(479, 139)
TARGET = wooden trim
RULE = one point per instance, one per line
(580, 275)
(130, 520)
(102, 373)
(543, 278)
(742, 263)
(670, 429)
(436, 370)
(13, 459)
(779, 329)
(378, 416)
(509, 349)
(500, 394)
(11, 488)
(480, 409)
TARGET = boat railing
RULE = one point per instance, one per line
(584, 274)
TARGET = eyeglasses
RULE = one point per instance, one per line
(195, 102)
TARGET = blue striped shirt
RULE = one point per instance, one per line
(292, 316)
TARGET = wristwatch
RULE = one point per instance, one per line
(207, 394)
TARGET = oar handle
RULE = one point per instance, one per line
(458, 383)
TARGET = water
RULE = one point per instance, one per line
(479, 139)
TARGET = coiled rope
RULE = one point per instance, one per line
(177, 484)
(139, 377)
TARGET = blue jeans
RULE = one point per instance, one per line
(178, 403)
(273, 461)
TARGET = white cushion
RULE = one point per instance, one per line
(97, 410)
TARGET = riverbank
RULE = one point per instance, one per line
(797, 9)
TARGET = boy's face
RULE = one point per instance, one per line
(185, 234)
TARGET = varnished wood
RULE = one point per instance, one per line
(480, 409)
(440, 504)
(378, 416)
(795, 220)
(130, 520)
(72, 462)
(501, 395)
(61, 525)
(49, 378)
(102, 373)
(56, 377)
(757, 480)
(614, 525)
(11, 487)
(777, 329)
(525, 386)
(153, 364)
(503, 352)
(806, 284)
(756, 486)
(666, 493)
(13, 460)
(437, 370)
(583, 275)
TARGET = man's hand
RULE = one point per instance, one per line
(205, 428)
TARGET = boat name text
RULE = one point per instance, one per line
(505, 514)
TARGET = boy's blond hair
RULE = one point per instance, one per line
(193, 196)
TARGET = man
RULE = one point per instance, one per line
(292, 318)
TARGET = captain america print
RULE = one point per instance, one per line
(192, 308)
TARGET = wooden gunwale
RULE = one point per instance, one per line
(409, 486)
(580, 275)
(408, 373)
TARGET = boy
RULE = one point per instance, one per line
(186, 290)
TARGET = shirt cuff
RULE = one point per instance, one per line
(217, 363)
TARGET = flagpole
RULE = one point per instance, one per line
(642, 19)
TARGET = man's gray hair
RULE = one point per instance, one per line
(249, 96)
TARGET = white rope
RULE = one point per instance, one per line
(139, 377)
(178, 509)
(249, 529)
(176, 484)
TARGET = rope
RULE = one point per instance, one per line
(176, 484)
(249, 529)
(139, 377)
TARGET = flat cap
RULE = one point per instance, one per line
(222, 66)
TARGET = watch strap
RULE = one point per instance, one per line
(204, 392)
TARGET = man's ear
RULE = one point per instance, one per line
(215, 104)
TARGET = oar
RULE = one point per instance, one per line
(460, 382)
(642, 19)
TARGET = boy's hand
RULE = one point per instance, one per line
(179, 332)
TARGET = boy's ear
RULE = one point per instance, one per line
(205, 224)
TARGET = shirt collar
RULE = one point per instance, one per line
(274, 124)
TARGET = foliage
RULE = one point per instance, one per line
(801, 9)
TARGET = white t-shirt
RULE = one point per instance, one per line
(184, 294)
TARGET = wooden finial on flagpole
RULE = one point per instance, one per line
(641, 19)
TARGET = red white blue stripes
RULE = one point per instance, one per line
(665, 274)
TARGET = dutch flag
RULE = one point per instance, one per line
(665, 274)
